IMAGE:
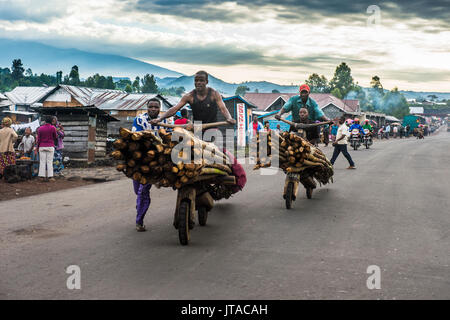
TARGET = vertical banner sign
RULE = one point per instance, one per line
(241, 124)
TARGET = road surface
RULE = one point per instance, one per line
(392, 212)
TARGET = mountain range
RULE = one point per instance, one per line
(42, 58)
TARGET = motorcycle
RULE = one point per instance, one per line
(355, 139)
(367, 139)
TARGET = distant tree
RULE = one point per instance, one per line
(256, 90)
(173, 91)
(59, 77)
(74, 76)
(275, 91)
(29, 72)
(137, 84)
(432, 97)
(337, 93)
(129, 88)
(109, 83)
(179, 91)
(149, 84)
(420, 99)
(123, 83)
(376, 84)
(342, 79)
(318, 84)
(241, 90)
(17, 70)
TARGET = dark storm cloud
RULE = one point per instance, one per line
(226, 55)
(291, 10)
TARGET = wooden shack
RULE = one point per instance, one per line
(85, 131)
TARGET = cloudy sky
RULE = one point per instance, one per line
(405, 42)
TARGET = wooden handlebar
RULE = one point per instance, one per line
(204, 126)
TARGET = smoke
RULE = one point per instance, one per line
(380, 101)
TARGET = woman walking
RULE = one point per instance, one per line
(58, 165)
(7, 138)
(46, 136)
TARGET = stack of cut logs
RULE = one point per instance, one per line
(296, 155)
(146, 157)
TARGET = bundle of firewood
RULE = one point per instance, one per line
(295, 155)
(147, 157)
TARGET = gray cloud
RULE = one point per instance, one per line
(418, 75)
(25, 11)
(298, 10)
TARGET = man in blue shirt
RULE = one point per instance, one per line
(140, 123)
(356, 125)
(303, 100)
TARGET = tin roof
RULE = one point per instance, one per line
(93, 96)
(108, 99)
(391, 118)
(28, 95)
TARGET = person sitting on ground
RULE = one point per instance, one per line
(7, 138)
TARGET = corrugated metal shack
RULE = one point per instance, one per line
(85, 125)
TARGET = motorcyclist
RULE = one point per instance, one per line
(356, 125)
(303, 100)
(367, 126)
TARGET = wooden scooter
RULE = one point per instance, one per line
(293, 180)
(195, 197)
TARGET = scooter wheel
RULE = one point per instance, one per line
(309, 192)
(289, 195)
(202, 216)
(184, 234)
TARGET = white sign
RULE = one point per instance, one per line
(240, 124)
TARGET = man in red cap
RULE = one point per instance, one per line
(303, 100)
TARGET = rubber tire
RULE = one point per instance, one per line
(367, 144)
(355, 146)
(289, 194)
(183, 222)
(202, 216)
(309, 192)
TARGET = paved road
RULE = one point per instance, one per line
(393, 212)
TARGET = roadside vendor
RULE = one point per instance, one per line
(7, 138)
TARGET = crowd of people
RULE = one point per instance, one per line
(43, 147)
